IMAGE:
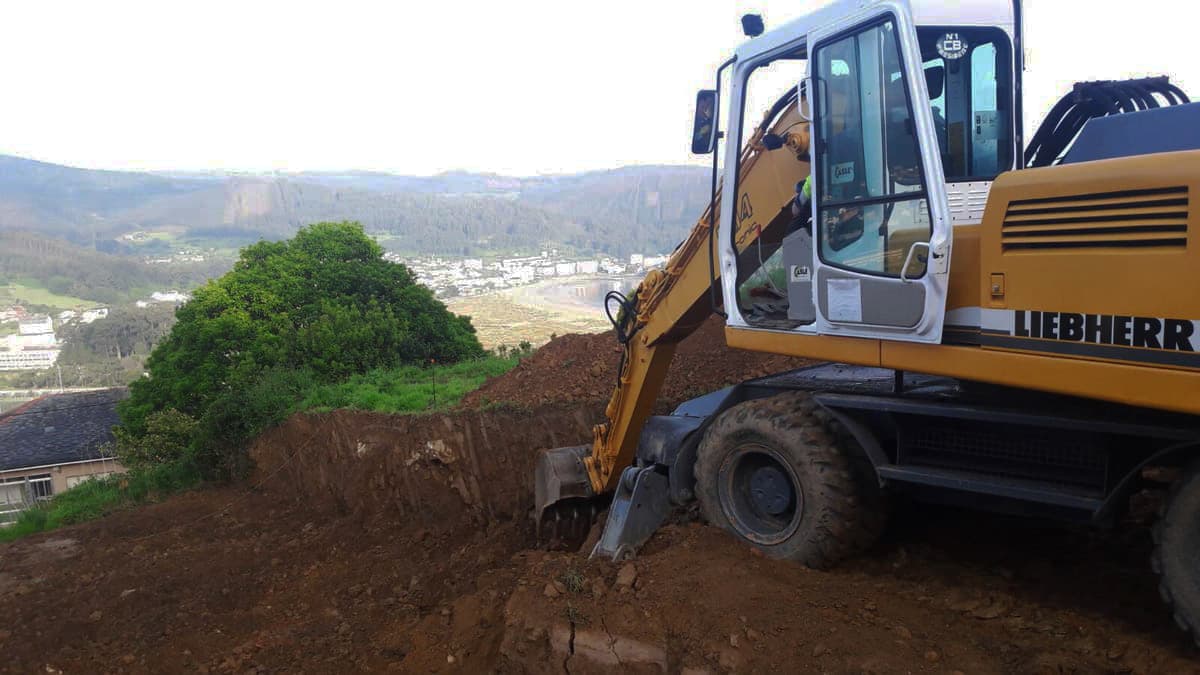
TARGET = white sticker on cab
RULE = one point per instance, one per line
(845, 300)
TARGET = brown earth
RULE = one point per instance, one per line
(371, 542)
(584, 368)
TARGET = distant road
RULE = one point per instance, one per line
(34, 393)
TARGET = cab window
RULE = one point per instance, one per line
(968, 74)
(871, 203)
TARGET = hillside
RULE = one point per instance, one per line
(82, 205)
(458, 213)
(403, 543)
(75, 271)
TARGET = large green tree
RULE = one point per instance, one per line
(324, 303)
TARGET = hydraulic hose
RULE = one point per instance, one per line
(1090, 100)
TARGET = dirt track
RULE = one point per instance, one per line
(403, 543)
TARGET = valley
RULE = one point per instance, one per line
(536, 312)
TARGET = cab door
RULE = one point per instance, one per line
(882, 232)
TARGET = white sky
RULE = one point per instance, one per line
(514, 86)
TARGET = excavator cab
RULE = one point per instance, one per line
(875, 261)
(882, 174)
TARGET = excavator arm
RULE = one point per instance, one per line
(667, 306)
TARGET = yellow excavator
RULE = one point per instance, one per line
(1008, 323)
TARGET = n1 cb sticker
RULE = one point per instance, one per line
(951, 46)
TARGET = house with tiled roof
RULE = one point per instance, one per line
(53, 443)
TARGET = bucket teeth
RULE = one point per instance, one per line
(565, 525)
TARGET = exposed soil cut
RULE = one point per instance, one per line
(377, 543)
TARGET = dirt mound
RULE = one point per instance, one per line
(584, 368)
(402, 543)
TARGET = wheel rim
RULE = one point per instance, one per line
(760, 494)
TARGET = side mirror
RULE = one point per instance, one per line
(704, 127)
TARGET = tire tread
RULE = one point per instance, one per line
(851, 513)
(1184, 608)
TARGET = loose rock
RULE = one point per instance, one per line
(627, 576)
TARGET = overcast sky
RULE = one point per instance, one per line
(517, 87)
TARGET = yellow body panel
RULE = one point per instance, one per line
(1105, 241)
(1135, 280)
(1159, 388)
(1146, 280)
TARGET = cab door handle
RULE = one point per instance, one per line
(912, 250)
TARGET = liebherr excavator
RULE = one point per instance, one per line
(1009, 325)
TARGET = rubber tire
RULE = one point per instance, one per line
(1177, 550)
(844, 510)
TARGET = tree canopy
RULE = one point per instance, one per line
(324, 302)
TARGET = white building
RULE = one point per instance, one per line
(170, 296)
(473, 264)
(90, 315)
(636, 259)
(610, 266)
(35, 341)
(520, 275)
(654, 260)
(34, 347)
(31, 359)
(35, 325)
(588, 267)
(564, 269)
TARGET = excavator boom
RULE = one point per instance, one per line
(666, 307)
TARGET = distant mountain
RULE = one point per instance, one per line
(632, 209)
(75, 203)
(654, 205)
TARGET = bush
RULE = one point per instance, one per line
(318, 308)
(168, 435)
(233, 420)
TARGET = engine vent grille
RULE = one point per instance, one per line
(1113, 220)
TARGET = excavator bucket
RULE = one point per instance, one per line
(564, 505)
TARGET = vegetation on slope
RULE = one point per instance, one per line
(408, 389)
(291, 315)
(162, 462)
(314, 323)
(96, 498)
(77, 276)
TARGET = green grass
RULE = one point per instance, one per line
(409, 389)
(11, 293)
(96, 498)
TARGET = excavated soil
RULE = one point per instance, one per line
(584, 368)
(375, 543)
